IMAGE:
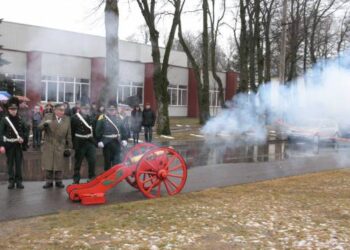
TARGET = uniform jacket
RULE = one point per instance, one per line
(6, 130)
(104, 127)
(58, 137)
(78, 127)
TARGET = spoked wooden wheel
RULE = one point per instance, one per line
(137, 150)
(161, 171)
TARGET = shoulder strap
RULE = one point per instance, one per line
(83, 120)
(12, 126)
(111, 122)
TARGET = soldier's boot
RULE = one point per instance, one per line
(48, 185)
(11, 185)
(19, 185)
(59, 184)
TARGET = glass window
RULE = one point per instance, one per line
(43, 91)
(61, 92)
(52, 91)
(69, 92)
(85, 90)
(77, 92)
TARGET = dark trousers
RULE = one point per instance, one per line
(53, 175)
(148, 133)
(111, 154)
(36, 137)
(14, 162)
(84, 149)
(135, 136)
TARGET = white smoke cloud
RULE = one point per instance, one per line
(322, 94)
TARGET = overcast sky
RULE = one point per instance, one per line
(74, 15)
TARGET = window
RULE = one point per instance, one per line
(64, 89)
(19, 83)
(177, 95)
(52, 91)
(214, 98)
(126, 90)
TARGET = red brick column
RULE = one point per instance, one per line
(192, 107)
(231, 84)
(33, 77)
(149, 95)
(98, 77)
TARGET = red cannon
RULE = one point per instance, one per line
(155, 171)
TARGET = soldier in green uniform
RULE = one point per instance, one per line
(14, 135)
(111, 136)
(83, 126)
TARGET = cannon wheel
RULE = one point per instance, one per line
(161, 169)
(134, 151)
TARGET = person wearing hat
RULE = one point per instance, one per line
(148, 121)
(57, 145)
(111, 136)
(13, 140)
(83, 126)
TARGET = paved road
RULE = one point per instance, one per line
(34, 201)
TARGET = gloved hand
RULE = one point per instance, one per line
(66, 153)
(124, 143)
(46, 123)
(100, 144)
(20, 140)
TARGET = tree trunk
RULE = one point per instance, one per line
(243, 49)
(160, 74)
(257, 38)
(109, 92)
(252, 43)
(205, 57)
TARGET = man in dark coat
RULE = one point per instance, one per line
(83, 125)
(136, 123)
(148, 120)
(111, 136)
(13, 139)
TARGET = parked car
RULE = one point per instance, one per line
(310, 130)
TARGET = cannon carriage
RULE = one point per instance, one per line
(155, 171)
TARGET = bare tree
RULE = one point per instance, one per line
(215, 23)
(161, 83)
(344, 30)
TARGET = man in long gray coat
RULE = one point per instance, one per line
(57, 145)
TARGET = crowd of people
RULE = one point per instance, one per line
(59, 130)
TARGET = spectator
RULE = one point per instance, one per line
(136, 123)
(148, 121)
(76, 108)
(67, 110)
(36, 120)
(48, 108)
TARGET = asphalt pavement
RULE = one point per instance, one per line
(35, 201)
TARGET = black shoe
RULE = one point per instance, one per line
(11, 185)
(19, 185)
(48, 185)
(59, 184)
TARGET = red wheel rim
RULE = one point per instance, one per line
(161, 171)
(138, 149)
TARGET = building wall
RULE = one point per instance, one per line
(24, 37)
(18, 62)
(67, 66)
(178, 76)
(131, 71)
